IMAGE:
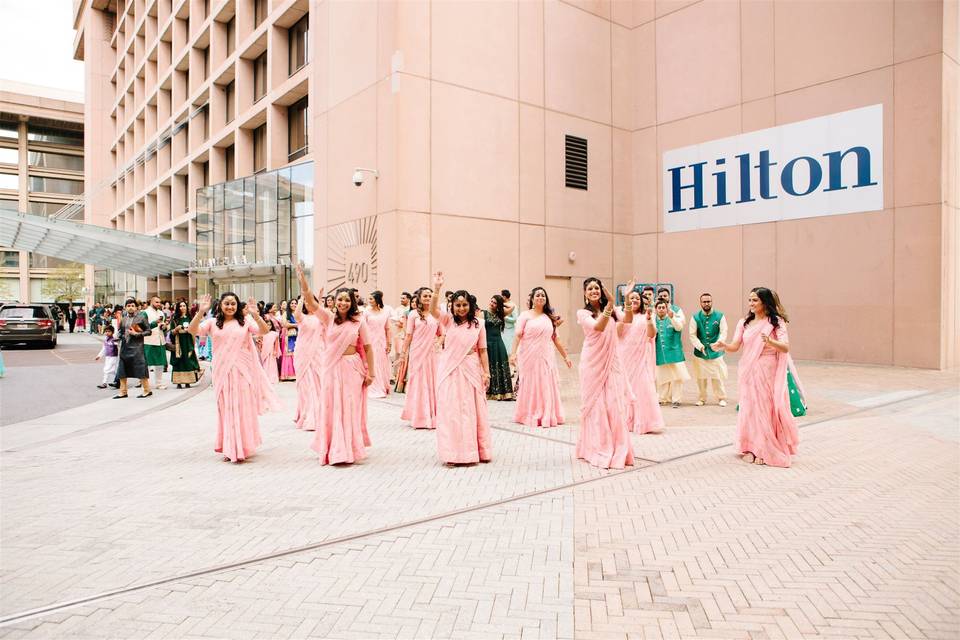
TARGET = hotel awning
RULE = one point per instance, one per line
(90, 244)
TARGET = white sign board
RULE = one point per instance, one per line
(819, 167)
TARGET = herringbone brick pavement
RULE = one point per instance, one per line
(857, 539)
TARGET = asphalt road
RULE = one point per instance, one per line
(40, 381)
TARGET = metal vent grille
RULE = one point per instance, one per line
(575, 158)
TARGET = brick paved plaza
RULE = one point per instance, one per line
(121, 522)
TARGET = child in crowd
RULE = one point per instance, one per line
(110, 357)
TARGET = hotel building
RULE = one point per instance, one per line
(516, 143)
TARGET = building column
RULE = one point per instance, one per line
(23, 204)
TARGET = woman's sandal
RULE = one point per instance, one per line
(120, 395)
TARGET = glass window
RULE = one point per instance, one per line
(230, 157)
(56, 185)
(205, 59)
(299, 43)
(267, 242)
(203, 209)
(266, 206)
(231, 35)
(9, 156)
(9, 129)
(32, 312)
(47, 160)
(45, 208)
(260, 148)
(259, 11)
(230, 92)
(233, 195)
(70, 137)
(9, 205)
(203, 245)
(303, 240)
(9, 259)
(283, 228)
(233, 226)
(297, 117)
(260, 76)
(9, 181)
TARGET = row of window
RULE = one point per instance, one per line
(42, 159)
(42, 184)
(38, 133)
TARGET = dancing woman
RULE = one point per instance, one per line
(463, 374)
(378, 325)
(766, 430)
(183, 360)
(637, 335)
(501, 382)
(341, 435)
(307, 357)
(420, 407)
(604, 394)
(241, 387)
(270, 345)
(538, 397)
(288, 339)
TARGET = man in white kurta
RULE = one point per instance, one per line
(708, 326)
(153, 344)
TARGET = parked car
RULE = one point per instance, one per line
(30, 323)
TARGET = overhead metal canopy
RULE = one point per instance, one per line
(90, 244)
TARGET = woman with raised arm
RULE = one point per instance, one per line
(463, 374)
(241, 387)
(307, 357)
(766, 430)
(538, 397)
(604, 394)
(501, 381)
(341, 436)
(420, 407)
(378, 324)
(639, 357)
(270, 344)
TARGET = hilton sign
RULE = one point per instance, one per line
(820, 167)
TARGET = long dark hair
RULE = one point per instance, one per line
(471, 317)
(352, 312)
(603, 298)
(498, 310)
(377, 297)
(547, 309)
(771, 306)
(177, 316)
(416, 294)
(238, 316)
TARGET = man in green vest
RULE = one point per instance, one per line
(671, 368)
(707, 327)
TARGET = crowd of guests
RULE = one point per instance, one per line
(449, 357)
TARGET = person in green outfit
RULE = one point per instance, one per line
(183, 360)
(671, 368)
(708, 326)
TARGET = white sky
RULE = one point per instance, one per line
(36, 44)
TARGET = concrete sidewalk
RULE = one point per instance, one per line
(136, 528)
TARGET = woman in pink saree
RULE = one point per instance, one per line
(341, 433)
(306, 358)
(639, 357)
(420, 406)
(378, 326)
(604, 441)
(270, 346)
(538, 395)
(463, 373)
(766, 430)
(241, 387)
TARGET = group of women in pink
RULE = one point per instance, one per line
(342, 358)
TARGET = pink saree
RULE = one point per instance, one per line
(604, 441)
(463, 432)
(538, 396)
(306, 359)
(765, 426)
(420, 406)
(377, 328)
(241, 387)
(341, 431)
(639, 357)
(270, 352)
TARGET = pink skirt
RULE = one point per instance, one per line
(538, 396)
(341, 435)
(760, 430)
(463, 432)
(287, 372)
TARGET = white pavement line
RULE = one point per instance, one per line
(106, 595)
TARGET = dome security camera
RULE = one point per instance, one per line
(358, 176)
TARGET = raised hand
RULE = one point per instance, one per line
(205, 304)
(251, 306)
(299, 269)
(437, 281)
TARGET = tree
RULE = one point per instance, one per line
(64, 283)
